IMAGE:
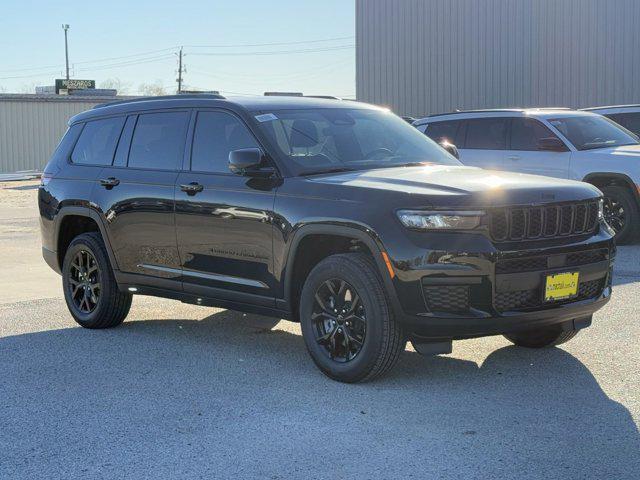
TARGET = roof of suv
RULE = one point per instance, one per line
(613, 109)
(510, 112)
(257, 103)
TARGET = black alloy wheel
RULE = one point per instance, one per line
(339, 319)
(84, 282)
(622, 213)
(93, 297)
(615, 214)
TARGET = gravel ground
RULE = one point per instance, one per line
(180, 391)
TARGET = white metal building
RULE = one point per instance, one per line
(430, 56)
(31, 127)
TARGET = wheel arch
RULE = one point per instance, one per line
(355, 235)
(609, 179)
(63, 219)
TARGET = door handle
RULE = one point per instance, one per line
(191, 188)
(514, 157)
(110, 182)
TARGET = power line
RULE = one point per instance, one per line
(301, 42)
(277, 52)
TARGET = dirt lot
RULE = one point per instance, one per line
(190, 392)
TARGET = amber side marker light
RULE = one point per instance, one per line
(388, 264)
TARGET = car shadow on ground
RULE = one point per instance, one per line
(229, 393)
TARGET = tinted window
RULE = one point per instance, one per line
(630, 121)
(588, 132)
(486, 134)
(216, 134)
(444, 131)
(97, 142)
(158, 140)
(527, 132)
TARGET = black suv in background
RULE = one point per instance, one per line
(335, 214)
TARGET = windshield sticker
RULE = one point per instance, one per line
(267, 117)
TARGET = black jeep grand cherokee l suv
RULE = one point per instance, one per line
(335, 214)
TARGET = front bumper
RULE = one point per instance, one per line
(481, 290)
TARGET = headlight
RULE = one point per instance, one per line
(421, 220)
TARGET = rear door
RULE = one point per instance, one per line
(136, 196)
(524, 155)
(224, 220)
(484, 142)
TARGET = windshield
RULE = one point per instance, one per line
(592, 131)
(335, 139)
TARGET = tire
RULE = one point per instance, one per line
(375, 343)
(629, 232)
(544, 337)
(90, 288)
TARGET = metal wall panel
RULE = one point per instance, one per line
(430, 56)
(30, 129)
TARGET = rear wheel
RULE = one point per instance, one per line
(346, 320)
(540, 338)
(90, 289)
(622, 214)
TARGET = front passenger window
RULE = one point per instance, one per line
(216, 134)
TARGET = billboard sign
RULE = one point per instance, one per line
(64, 86)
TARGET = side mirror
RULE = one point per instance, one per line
(551, 144)
(451, 148)
(247, 162)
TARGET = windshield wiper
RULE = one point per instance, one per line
(328, 170)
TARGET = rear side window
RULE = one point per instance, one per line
(97, 142)
(444, 131)
(486, 134)
(158, 140)
(216, 134)
(526, 134)
(630, 121)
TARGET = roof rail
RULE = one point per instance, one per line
(477, 111)
(328, 97)
(209, 96)
(496, 110)
(610, 106)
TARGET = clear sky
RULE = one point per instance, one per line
(136, 42)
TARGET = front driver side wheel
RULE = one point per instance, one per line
(347, 323)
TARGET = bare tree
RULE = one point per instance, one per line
(122, 87)
(152, 89)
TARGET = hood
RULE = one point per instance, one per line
(460, 185)
(624, 150)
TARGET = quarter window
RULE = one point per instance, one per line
(97, 142)
(158, 140)
(526, 134)
(486, 134)
(216, 134)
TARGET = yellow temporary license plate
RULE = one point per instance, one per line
(561, 286)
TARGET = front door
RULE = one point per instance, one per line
(223, 220)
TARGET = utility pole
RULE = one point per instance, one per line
(180, 71)
(65, 27)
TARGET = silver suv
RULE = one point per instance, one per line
(561, 143)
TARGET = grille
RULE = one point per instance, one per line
(528, 223)
(454, 298)
(524, 299)
(532, 264)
